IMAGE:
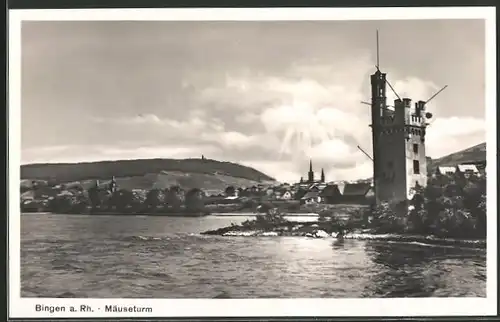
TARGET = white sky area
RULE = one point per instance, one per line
(270, 95)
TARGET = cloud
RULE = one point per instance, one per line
(443, 128)
(316, 116)
(360, 170)
(233, 139)
(287, 120)
(452, 134)
(335, 152)
(247, 118)
(283, 171)
(195, 125)
(411, 87)
(273, 98)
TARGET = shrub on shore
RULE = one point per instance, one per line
(449, 206)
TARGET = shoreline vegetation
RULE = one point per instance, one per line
(450, 207)
(273, 224)
(450, 210)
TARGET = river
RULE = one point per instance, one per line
(166, 257)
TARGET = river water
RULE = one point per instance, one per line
(166, 257)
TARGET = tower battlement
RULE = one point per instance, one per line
(398, 138)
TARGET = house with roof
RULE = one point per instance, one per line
(214, 192)
(331, 194)
(311, 197)
(357, 193)
(445, 171)
(467, 170)
(287, 195)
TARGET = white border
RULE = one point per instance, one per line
(25, 307)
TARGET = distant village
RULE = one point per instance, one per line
(314, 190)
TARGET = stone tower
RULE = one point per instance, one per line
(310, 175)
(398, 137)
(322, 175)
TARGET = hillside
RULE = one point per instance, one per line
(475, 154)
(146, 174)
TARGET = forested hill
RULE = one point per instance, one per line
(104, 170)
(475, 154)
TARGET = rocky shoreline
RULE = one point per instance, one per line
(315, 230)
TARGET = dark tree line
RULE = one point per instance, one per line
(449, 206)
(122, 200)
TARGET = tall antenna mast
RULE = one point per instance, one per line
(378, 64)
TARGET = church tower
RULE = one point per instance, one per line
(310, 177)
(398, 138)
(112, 185)
(322, 175)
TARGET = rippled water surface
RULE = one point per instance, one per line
(160, 257)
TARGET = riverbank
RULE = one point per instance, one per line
(152, 214)
(319, 230)
(290, 207)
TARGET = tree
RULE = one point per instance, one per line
(450, 206)
(80, 203)
(174, 197)
(60, 204)
(24, 189)
(195, 200)
(230, 191)
(94, 198)
(272, 218)
(122, 199)
(153, 199)
(388, 218)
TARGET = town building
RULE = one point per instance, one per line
(311, 197)
(467, 170)
(445, 171)
(464, 170)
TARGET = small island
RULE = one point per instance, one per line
(273, 224)
(449, 211)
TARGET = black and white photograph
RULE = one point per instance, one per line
(252, 157)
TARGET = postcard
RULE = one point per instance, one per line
(252, 162)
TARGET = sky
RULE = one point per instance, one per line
(270, 95)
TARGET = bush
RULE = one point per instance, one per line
(389, 218)
(449, 206)
(330, 221)
(272, 218)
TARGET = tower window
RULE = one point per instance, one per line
(415, 148)
(416, 167)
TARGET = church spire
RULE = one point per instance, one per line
(322, 175)
(311, 173)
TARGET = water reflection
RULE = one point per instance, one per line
(162, 257)
(404, 269)
(338, 244)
